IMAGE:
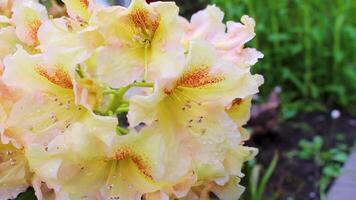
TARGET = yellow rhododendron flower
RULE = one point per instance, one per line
(205, 86)
(129, 169)
(140, 42)
(205, 79)
(48, 106)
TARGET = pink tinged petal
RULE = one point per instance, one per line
(8, 96)
(181, 189)
(238, 34)
(14, 172)
(28, 16)
(207, 24)
(243, 58)
(159, 195)
(42, 191)
(41, 117)
(230, 191)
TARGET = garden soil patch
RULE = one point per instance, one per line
(295, 178)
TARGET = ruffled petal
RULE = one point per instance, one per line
(229, 39)
(230, 191)
(209, 78)
(207, 24)
(67, 41)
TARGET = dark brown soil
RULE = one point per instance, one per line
(295, 178)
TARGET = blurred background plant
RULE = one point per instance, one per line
(257, 179)
(309, 49)
(330, 160)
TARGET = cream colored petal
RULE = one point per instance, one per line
(4, 21)
(34, 73)
(8, 41)
(208, 78)
(14, 172)
(8, 96)
(240, 110)
(230, 191)
(144, 109)
(27, 17)
(127, 171)
(41, 117)
(68, 163)
(79, 8)
(236, 157)
(61, 41)
(118, 67)
(206, 137)
(110, 26)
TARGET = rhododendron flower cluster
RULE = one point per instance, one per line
(181, 89)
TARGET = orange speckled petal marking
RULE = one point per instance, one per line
(27, 17)
(141, 162)
(60, 77)
(32, 31)
(199, 77)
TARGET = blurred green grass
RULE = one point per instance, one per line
(309, 48)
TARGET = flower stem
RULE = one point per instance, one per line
(117, 104)
(122, 109)
(121, 131)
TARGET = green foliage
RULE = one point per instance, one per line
(329, 160)
(28, 195)
(309, 49)
(257, 181)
